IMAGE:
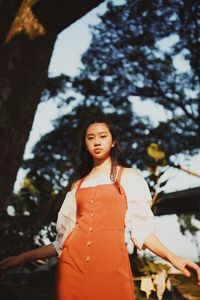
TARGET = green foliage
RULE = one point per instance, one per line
(129, 57)
(186, 225)
(145, 266)
(35, 212)
(124, 60)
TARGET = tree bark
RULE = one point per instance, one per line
(28, 31)
(23, 73)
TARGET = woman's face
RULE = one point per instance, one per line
(98, 140)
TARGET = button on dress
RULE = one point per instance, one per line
(94, 264)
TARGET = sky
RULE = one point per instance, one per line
(70, 44)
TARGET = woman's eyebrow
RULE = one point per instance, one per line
(98, 133)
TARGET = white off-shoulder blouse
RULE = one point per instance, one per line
(139, 218)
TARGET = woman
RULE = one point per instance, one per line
(106, 202)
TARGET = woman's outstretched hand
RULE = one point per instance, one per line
(12, 262)
(42, 252)
(182, 264)
(186, 266)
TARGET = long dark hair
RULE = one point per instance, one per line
(86, 161)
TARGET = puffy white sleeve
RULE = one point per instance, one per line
(65, 221)
(139, 219)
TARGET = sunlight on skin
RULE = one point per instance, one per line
(67, 45)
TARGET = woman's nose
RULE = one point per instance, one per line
(97, 141)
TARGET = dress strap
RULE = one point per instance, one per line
(80, 182)
(119, 174)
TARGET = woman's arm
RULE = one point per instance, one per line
(64, 225)
(18, 260)
(156, 246)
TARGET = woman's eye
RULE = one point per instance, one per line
(103, 136)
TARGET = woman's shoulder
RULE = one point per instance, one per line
(75, 184)
(131, 171)
(133, 178)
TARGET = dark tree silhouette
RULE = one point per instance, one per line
(28, 30)
(125, 60)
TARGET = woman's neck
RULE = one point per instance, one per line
(102, 166)
(100, 169)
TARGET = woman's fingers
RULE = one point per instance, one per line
(185, 272)
(188, 264)
(194, 267)
(11, 262)
(5, 263)
(185, 266)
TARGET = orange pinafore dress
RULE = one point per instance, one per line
(94, 264)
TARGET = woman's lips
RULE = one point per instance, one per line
(97, 150)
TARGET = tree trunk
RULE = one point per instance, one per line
(23, 73)
(28, 30)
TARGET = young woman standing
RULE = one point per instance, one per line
(107, 200)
